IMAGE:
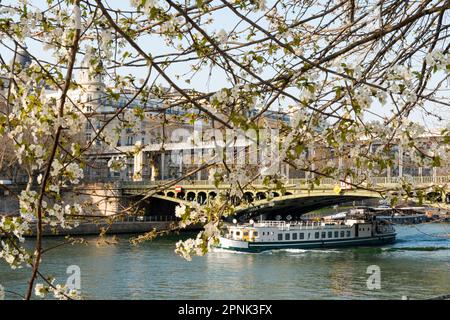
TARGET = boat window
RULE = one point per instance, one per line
(324, 235)
(342, 234)
(309, 235)
(348, 233)
(280, 236)
(287, 236)
(255, 233)
(246, 234)
(336, 234)
(330, 234)
(317, 235)
(302, 236)
(294, 236)
(238, 233)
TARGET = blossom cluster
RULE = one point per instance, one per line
(60, 292)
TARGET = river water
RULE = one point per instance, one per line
(417, 265)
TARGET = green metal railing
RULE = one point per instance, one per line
(295, 182)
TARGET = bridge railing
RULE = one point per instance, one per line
(125, 219)
(298, 181)
(164, 218)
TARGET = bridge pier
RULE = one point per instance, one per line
(99, 199)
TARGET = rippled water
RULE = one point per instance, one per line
(417, 265)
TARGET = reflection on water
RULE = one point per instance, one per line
(417, 265)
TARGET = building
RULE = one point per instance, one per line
(162, 157)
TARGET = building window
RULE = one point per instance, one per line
(317, 235)
(280, 236)
(130, 140)
(302, 235)
(287, 236)
(294, 236)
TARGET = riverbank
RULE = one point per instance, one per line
(120, 227)
(130, 225)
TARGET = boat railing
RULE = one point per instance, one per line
(271, 223)
(298, 225)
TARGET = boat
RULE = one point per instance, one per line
(273, 234)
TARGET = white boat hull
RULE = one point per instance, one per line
(246, 246)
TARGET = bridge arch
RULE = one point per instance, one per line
(298, 204)
(248, 196)
(274, 194)
(201, 197)
(212, 195)
(181, 195)
(434, 196)
(191, 196)
(235, 200)
(260, 196)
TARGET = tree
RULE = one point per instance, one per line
(333, 68)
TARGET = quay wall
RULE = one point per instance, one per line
(114, 228)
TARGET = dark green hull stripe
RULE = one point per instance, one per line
(263, 246)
